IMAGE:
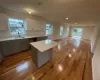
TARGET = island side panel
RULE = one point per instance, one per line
(34, 55)
(44, 57)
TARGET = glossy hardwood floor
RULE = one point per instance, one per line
(71, 60)
(17, 67)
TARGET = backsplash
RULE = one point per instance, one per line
(7, 34)
(4, 34)
(32, 33)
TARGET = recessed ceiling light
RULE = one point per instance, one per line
(30, 12)
(76, 23)
(66, 18)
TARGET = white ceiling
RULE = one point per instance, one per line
(78, 11)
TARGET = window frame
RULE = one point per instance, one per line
(24, 26)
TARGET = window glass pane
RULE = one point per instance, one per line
(77, 32)
(16, 26)
(48, 29)
(61, 30)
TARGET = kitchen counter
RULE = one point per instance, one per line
(23, 37)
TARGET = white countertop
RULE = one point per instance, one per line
(44, 45)
(25, 37)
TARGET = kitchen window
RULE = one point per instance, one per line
(17, 26)
(48, 29)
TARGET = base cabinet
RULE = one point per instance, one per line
(14, 46)
(1, 54)
(42, 38)
(24, 44)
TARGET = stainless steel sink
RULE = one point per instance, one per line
(19, 37)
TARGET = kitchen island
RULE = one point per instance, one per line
(42, 51)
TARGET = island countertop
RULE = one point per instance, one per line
(44, 45)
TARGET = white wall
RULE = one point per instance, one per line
(12, 14)
(96, 62)
(95, 44)
(94, 38)
(87, 32)
(34, 23)
(56, 31)
(66, 31)
(35, 27)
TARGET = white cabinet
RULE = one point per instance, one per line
(30, 24)
(3, 22)
(35, 25)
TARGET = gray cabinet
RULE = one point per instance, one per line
(24, 44)
(14, 46)
(10, 47)
(1, 54)
(42, 38)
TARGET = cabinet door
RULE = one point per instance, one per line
(24, 44)
(42, 38)
(10, 47)
(1, 54)
(34, 24)
(3, 22)
(14, 46)
(30, 24)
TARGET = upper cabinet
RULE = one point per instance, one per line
(3, 22)
(35, 25)
(29, 24)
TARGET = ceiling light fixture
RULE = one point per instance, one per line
(76, 23)
(30, 12)
(66, 18)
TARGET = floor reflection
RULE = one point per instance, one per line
(22, 67)
(48, 41)
(33, 78)
(74, 50)
(76, 42)
(59, 47)
(60, 68)
(69, 55)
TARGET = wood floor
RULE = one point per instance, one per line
(71, 60)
